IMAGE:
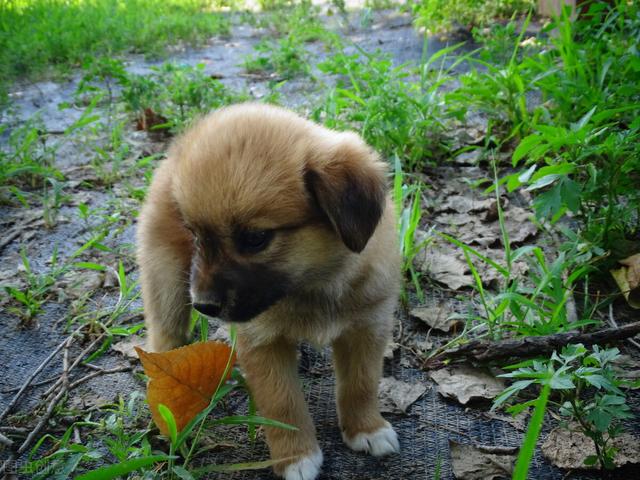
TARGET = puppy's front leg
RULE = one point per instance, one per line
(358, 356)
(272, 374)
(164, 255)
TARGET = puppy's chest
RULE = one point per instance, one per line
(316, 318)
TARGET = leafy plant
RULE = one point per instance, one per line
(579, 152)
(499, 91)
(590, 394)
(41, 34)
(498, 40)
(172, 95)
(27, 159)
(534, 302)
(440, 15)
(589, 169)
(408, 204)
(395, 115)
(37, 289)
(285, 57)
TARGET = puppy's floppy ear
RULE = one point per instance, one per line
(347, 182)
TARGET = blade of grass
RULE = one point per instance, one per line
(531, 438)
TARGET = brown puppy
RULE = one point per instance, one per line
(262, 218)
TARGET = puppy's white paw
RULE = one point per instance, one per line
(379, 443)
(307, 468)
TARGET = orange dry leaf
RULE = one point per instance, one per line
(184, 379)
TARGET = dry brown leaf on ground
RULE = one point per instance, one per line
(479, 462)
(569, 448)
(184, 379)
(519, 421)
(627, 368)
(396, 396)
(466, 383)
(444, 267)
(436, 317)
(127, 346)
(464, 204)
(628, 279)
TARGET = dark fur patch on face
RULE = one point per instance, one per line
(243, 291)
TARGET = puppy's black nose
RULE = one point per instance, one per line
(208, 309)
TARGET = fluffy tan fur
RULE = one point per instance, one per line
(323, 193)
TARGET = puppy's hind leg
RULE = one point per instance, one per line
(358, 356)
(164, 256)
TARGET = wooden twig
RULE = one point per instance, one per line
(33, 375)
(14, 430)
(41, 423)
(43, 420)
(613, 323)
(66, 388)
(5, 441)
(483, 350)
(75, 363)
(33, 385)
(98, 373)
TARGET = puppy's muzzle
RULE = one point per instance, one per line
(208, 309)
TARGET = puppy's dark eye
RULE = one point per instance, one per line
(253, 241)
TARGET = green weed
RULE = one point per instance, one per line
(28, 158)
(408, 205)
(534, 302)
(53, 197)
(37, 289)
(442, 15)
(395, 115)
(296, 19)
(499, 91)
(172, 95)
(285, 57)
(590, 394)
(578, 149)
(43, 33)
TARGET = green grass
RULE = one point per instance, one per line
(441, 15)
(36, 35)
(399, 110)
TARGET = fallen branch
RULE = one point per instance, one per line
(613, 323)
(97, 373)
(66, 388)
(33, 375)
(483, 350)
(75, 363)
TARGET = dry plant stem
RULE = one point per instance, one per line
(483, 350)
(14, 430)
(65, 365)
(44, 363)
(5, 441)
(33, 385)
(66, 388)
(73, 365)
(98, 373)
(43, 420)
(613, 323)
(9, 238)
(47, 414)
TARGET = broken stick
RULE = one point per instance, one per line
(484, 350)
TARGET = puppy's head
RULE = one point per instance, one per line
(274, 203)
